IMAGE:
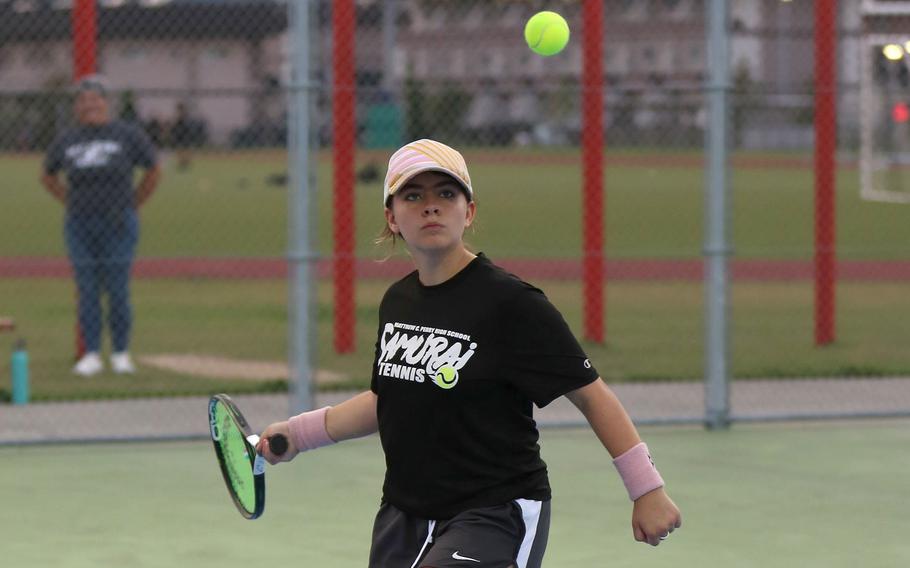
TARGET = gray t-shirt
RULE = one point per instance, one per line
(99, 163)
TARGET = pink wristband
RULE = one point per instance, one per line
(637, 471)
(308, 430)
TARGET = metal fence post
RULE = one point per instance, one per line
(301, 256)
(717, 248)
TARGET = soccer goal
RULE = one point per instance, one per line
(885, 102)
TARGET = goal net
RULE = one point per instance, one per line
(885, 102)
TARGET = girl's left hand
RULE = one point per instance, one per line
(654, 517)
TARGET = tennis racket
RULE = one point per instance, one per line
(242, 467)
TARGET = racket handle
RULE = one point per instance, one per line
(278, 444)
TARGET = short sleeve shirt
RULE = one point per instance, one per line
(99, 162)
(457, 369)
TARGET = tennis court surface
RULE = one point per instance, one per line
(816, 494)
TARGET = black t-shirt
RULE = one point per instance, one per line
(457, 368)
(99, 163)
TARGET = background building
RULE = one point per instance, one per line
(228, 67)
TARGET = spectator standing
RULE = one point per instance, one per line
(98, 156)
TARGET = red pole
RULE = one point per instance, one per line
(83, 21)
(825, 146)
(593, 166)
(343, 123)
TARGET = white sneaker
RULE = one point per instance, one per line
(89, 365)
(122, 364)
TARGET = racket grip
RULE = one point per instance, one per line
(278, 444)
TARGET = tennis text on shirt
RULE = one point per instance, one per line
(413, 353)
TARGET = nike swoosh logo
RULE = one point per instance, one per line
(457, 556)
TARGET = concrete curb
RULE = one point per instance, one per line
(647, 403)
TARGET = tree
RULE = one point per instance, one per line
(448, 108)
(415, 108)
(744, 101)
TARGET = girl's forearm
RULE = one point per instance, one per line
(353, 418)
(607, 417)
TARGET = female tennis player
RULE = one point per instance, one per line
(464, 349)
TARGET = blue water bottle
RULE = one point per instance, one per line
(19, 366)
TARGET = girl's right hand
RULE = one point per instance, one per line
(263, 446)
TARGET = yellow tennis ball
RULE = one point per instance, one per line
(547, 33)
(446, 377)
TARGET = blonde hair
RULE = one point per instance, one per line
(387, 236)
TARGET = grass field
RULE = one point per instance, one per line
(654, 332)
(763, 496)
(224, 207)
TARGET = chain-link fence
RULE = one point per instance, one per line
(198, 92)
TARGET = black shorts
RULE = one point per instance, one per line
(514, 534)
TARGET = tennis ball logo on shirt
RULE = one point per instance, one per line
(446, 377)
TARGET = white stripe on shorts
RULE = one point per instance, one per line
(430, 526)
(530, 512)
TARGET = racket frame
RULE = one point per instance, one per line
(257, 462)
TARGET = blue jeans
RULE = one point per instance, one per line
(101, 248)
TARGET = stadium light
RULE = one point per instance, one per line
(893, 51)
